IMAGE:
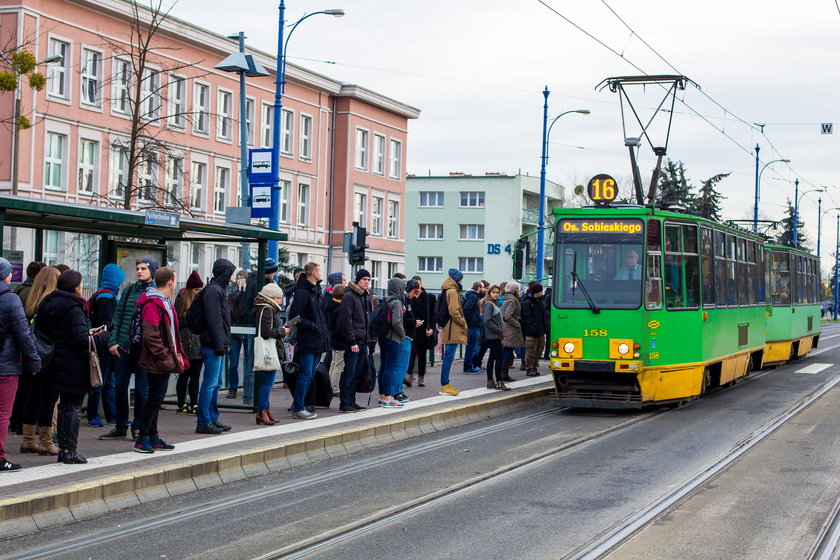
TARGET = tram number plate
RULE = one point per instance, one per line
(595, 332)
(654, 355)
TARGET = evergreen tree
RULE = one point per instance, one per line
(785, 237)
(707, 203)
(284, 265)
(673, 186)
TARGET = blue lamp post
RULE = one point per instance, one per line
(796, 211)
(758, 184)
(544, 160)
(280, 84)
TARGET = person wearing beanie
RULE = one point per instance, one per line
(453, 331)
(353, 324)
(333, 280)
(126, 357)
(511, 287)
(17, 357)
(23, 289)
(533, 327)
(194, 281)
(62, 318)
(512, 339)
(270, 326)
(422, 306)
(271, 267)
(189, 379)
(362, 273)
(102, 305)
(241, 303)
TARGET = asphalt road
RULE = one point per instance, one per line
(772, 503)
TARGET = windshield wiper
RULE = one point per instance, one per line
(577, 281)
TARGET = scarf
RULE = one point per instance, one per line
(267, 301)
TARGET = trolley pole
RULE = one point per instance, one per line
(755, 208)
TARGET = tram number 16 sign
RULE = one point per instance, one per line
(602, 189)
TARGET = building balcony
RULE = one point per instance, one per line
(530, 216)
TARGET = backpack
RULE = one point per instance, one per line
(380, 320)
(442, 310)
(195, 314)
(89, 303)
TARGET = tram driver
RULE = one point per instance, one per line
(631, 270)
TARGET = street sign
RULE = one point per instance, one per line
(164, 219)
(259, 166)
(260, 201)
(827, 128)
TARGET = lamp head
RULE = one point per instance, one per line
(53, 58)
(336, 13)
(583, 111)
(632, 141)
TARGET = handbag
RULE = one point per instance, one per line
(93, 364)
(265, 350)
(43, 345)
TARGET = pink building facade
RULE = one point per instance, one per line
(343, 147)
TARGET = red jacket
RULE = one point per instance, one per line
(161, 350)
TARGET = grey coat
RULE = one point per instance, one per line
(512, 323)
(396, 292)
(491, 318)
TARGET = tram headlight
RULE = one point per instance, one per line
(623, 349)
(569, 348)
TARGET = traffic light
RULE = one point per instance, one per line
(358, 244)
(520, 258)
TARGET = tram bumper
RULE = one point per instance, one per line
(597, 383)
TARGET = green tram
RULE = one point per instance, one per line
(652, 306)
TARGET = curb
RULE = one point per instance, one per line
(75, 501)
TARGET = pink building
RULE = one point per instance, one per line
(76, 150)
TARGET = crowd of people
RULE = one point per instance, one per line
(148, 332)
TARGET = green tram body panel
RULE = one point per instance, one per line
(678, 347)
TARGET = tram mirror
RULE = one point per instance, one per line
(520, 258)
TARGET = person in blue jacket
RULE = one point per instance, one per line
(103, 305)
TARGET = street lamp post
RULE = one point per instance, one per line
(758, 175)
(274, 219)
(796, 210)
(544, 160)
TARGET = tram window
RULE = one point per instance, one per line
(731, 282)
(752, 275)
(741, 271)
(765, 273)
(654, 239)
(720, 268)
(682, 267)
(780, 274)
(653, 288)
(707, 267)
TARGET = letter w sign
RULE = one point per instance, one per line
(827, 128)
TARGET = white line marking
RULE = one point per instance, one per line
(813, 368)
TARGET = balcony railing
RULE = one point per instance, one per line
(530, 216)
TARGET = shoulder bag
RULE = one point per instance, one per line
(93, 363)
(265, 350)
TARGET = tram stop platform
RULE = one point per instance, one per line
(45, 493)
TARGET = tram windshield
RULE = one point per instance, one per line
(599, 264)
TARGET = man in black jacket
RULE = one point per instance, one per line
(353, 320)
(423, 307)
(241, 301)
(215, 342)
(533, 327)
(312, 334)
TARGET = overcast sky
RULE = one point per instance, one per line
(476, 69)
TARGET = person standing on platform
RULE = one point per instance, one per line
(332, 308)
(454, 331)
(241, 304)
(189, 380)
(24, 381)
(102, 305)
(533, 327)
(353, 324)
(423, 307)
(267, 317)
(491, 316)
(472, 314)
(512, 338)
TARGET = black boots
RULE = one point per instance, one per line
(68, 434)
(506, 375)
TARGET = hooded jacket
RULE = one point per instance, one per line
(313, 336)
(396, 307)
(332, 309)
(354, 316)
(533, 319)
(216, 333)
(161, 351)
(471, 311)
(455, 330)
(17, 350)
(104, 304)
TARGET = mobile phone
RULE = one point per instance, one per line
(293, 322)
(98, 329)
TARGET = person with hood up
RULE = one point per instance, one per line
(161, 355)
(189, 379)
(533, 327)
(267, 315)
(396, 347)
(62, 318)
(215, 343)
(102, 305)
(126, 357)
(412, 326)
(353, 322)
(472, 314)
(454, 332)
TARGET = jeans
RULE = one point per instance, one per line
(148, 428)
(353, 364)
(125, 365)
(109, 390)
(208, 394)
(308, 363)
(401, 367)
(448, 358)
(267, 384)
(94, 398)
(479, 356)
(244, 343)
(473, 334)
(390, 354)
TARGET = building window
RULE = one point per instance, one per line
(393, 216)
(471, 264)
(472, 199)
(177, 102)
(220, 191)
(302, 203)
(360, 209)
(250, 107)
(224, 108)
(472, 232)
(393, 268)
(87, 166)
(305, 137)
(150, 94)
(174, 180)
(375, 273)
(361, 149)
(286, 131)
(430, 231)
(267, 126)
(146, 179)
(121, 86)
(91, 77)
(429, 264)
(431, 199)
(376, 207)
(395, 160)
(119, 171)
(198, 180)
(201, 109)
(57, 86)
(54, 161)
(379, 154)
(195, 256)
(284, 201)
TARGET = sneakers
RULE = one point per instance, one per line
(185, 409)
(304, 415)
(391, 404)
(160, 445)
(208, 429)
(143, 446)
(347, 408)
(193, 410)
(449, 390)
(96, 422)
(8, 466)
(223, 427)
(116, 433)
(402, 397)
(472, 371)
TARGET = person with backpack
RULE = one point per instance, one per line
(101, 306)
(189, 379)
(127, 353)
(353, 324)
(161, 354)
(423, 307)
(392, 339)
(450, 316)
(412, 325)
(533, 327)
(209, 316)
(17, 355)
(472, 314)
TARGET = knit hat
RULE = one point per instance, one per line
(456, 274)
(5, 268)
(511, 287)
(153, 265)
(362, 273)
(334, 278)
(411, 285)
(33, 268)
(271, 290)
(271, 266)
(68, 280)
(534, 288)
(194, 281)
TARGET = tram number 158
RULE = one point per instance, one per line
(595, 332)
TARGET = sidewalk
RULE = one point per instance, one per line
(46, 493)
